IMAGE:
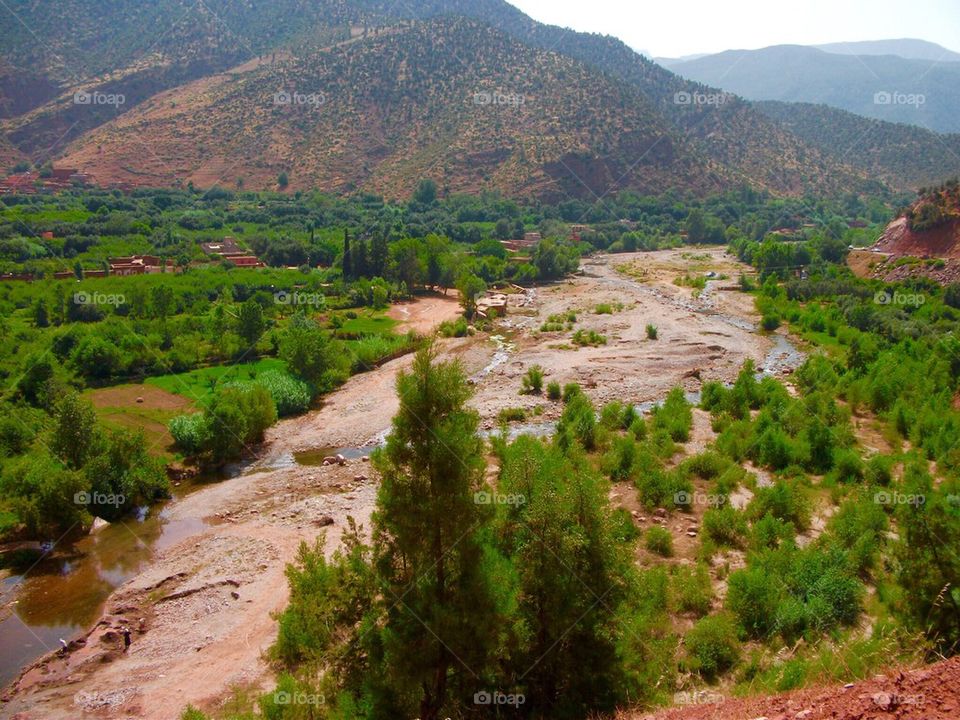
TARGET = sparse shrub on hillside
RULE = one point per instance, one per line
(691, 589)
(674, 415)
(532, 382)
(553, 390)
(713, 645)
(659, 540)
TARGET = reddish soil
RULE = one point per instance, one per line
(146, 396)
(927, 693)
(942, 241)
(425, 313)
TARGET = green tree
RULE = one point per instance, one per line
(47, 498)
(41, 316)
(470, 288)
(426, 192)
(75, 436)
(310, 354)
(250, 322)
(573, 579)
(162, 300)
(126, 472)
(441, 622)
(928, 564)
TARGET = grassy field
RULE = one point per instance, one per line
(368, 324)
(197, 385)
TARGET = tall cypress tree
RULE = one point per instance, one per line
(347, 259)
(432, 549)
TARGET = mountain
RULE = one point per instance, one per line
(885, 87)
(381, 112)
(397, 101)
(902, 156)
(909, 48)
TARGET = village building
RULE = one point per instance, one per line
(492, 305)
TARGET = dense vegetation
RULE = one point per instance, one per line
(248, 345)
(881, 555)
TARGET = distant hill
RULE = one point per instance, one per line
(909, 48)
(902, 156)
(885, 87)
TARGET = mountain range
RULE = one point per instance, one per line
(920, 87)
(348, 95)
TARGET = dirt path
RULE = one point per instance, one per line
(201, 613)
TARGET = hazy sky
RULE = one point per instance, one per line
(670, 28)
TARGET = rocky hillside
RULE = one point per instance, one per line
(923, 241)
(901, 156)
(603, 117)
(930, 227)
(381, 112)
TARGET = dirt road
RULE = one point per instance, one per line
(201, 615)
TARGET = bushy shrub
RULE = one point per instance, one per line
(691, 590)
(725, 527)
(570, 390)
(770, 322)
(784, 500)
(769, 532)
(659, 540)
(511, 414)
(753, 595)
(578, 423)
(674, 415)
(713, 645)
(879, 470)
(651, 332)
(847, 466)
(619, 460)
(553, 390)
(290, 395)
(189, 432)
(658, 488)
(532, 382)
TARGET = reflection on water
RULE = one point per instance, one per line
(59, 593)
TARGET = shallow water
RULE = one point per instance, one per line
(58, 592)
